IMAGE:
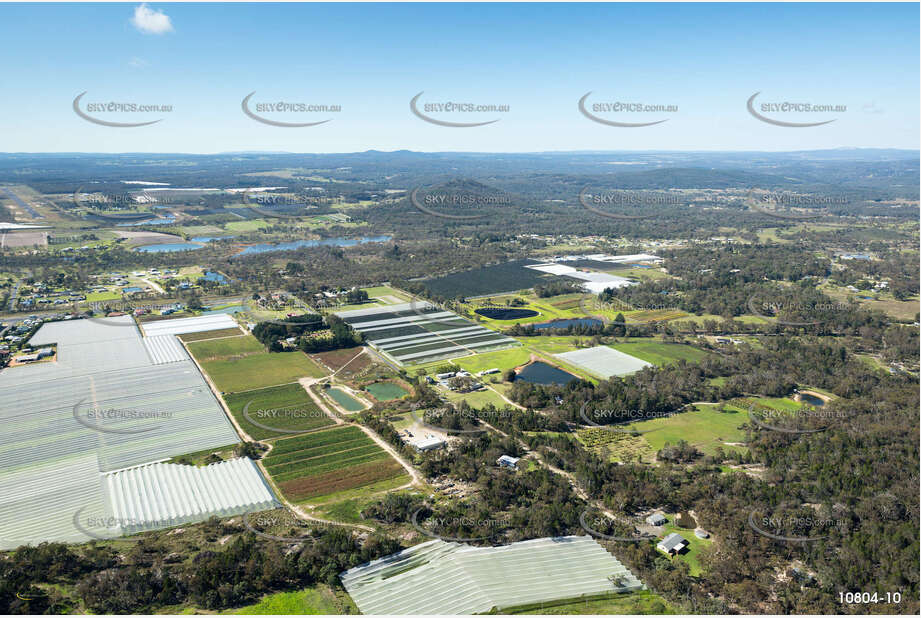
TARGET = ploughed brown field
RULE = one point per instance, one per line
(336, 359)
(340, 480)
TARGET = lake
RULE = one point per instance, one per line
(568, 323)
(542, 373)
(300, 244)
(169, 247)
(158, 221)
(228, 310)
(210, 238)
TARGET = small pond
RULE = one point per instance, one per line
(386, 391)
(542, 373)
(811, 400)
(300, 244)
(348, 403)
(506, 313)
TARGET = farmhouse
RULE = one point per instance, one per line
(672, 544)
(507, 461)
(656, 519)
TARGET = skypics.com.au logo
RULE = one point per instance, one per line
(613, 112)
(255, 110)
(783, 112)
(287, 205)
(118, 109)
(609, 418)
(806, 420)
(430, 203)
(282, 420)
(103, 200)
(492, 526)
(781, 312)
(792, 206)
(119, 421)
(623, 204)
(456, 110)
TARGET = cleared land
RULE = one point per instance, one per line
(501, 359)
(705, 427)
(211, 334)
(278, 410)
(344, 361)
(317, 600)
(241, 364)
(260, 370)
(225, 347)
(327, 462)
(660, 353)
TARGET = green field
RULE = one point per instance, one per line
(325, 463)
(101, 296)
(705, 428)
(226, 347)
(246, 226)
(478, 399)
(659, 353)
(287, 408)
(260, 370)
(500, 359)
(317, 600)
(386, 391)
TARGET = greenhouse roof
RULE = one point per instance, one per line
(101, 406)
(438, 577)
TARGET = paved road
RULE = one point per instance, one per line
(13, 296)
(19, 202)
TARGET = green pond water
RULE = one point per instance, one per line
(386, 391)
(349, 403)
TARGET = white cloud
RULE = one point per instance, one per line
(137, 63)
(149, 21)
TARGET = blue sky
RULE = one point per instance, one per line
(538, 59)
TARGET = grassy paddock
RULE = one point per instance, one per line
(659, 353)
(260, 370)
(317, 600)
(704, 427)
(287, 407)
(225, 347)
